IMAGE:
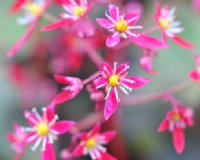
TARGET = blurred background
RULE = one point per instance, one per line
(26, 81)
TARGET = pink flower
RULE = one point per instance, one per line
(196, 5)
(165, 19)
(116, 78)
(74, 11)
(17, 140)
(123, 26)
(176, 121)
(195, 74)
(69, 92)
(92, 144)
(44, 130)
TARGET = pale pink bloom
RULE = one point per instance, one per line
(74, 87)
(17, 140)
(165, 19)
(176, 121)
(44, 130)
(123, 26)
(195, 74)
(92, 143)
(117, 78)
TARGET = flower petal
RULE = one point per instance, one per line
(111, 104)
(179, 140)
(113, 40)
(17, 5)
(146, 63)
(183, 43)
(94, 130)
(62, 127)
(163, 126)
(50, 113)
(105, 23)
(133, 17)
(106, 69)
(106, 156)
(31, 118)
(63, 97)
(108, 136)
(145, 41)
(122, 69)
(194, 75)
(79, 150)
(57, 24)
(100, 82)
(113, 11)
(48, 153)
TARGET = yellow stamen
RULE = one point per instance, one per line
(113, 80)
(35, 9)
(164, 23)
(42, 129)
(79, 11)
(176, 116)
(91, 142)
(121, 25)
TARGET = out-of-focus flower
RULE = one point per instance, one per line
(112, 79)
(165, 19)
(195, 74)
(92, 144)
(44, 130)
(17, 140)
(196, 5)
(74, 87)
(74, 12)
(123, 26)
(96, 95)
(146, 61)
(176, 121)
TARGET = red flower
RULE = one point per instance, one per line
(44, 130)
(165, 19)
(92, 143)
(116, 78)
(69, 92)
(176, 121)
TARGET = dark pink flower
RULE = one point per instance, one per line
(92, 143)
(195, 74)
(44, 130)
(165, 19)
(74, 87)
(123, 26)
(17, 140)
(176, 121)
(116, 78)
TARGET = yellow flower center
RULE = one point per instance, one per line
(42, 129)
(113, 80)
(121, 25)
(176, 116)
(34, 9)
(164, 23)
(79, 11)
(91, 142)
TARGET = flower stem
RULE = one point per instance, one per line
(91, 78)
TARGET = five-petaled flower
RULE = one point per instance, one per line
(165, 19)
(74, 87)
(93, 142)
(44, 130)
(122, 25)
(17, 140)
(112, 79)
(176, 121)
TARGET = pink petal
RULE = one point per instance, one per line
(50, 113)
(122, 69)
(194, 75)
(61, 79)
(57, 24)
(137, 81)
(79, 150)
(157, 14)
(94, 130)
(111, 104)
(11, 138)
(100, 82)
(145, 41)
(183, 43)
(163, 126)
(31, 118)
(109, 135)
(31, 137)
(62, 127)
(48, 153)
(133, 17)
(113, 11)
(63, 97)
(179, 140)
(105, 23)
(113, 40)
(18, 45)
(17, 5)
(106, 156)
(146, 63)
(106, 69)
